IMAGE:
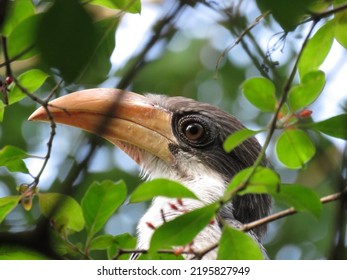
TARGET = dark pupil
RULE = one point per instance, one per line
(194, 131)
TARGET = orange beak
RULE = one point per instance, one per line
(126, 119)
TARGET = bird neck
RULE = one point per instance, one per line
(207, 186)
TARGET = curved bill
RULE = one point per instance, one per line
(126, 119)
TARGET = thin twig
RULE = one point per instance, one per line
(238, 40)
(52, 124)
(10, 60)
(165, 22)
(271, 218)
(273, 123)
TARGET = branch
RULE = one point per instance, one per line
(271, 218)
(44, 104)
(288, 212)
(238, 40)
(158, 34)
(321, 15)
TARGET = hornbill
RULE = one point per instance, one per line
(175, 138)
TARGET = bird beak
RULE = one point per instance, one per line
(126, 119)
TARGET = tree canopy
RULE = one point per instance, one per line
(260, 60)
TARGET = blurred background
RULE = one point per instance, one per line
(183, 61)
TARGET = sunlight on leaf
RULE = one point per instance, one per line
(160, 187)
(238, 137)
(340, 24)
(316, 50)
(7, 204)
(261, 93)
(12, 158)
(23, 38)
(31, 80)
(294, 148)
(17, 12)
(262, 180)
(308, 91)
(131, 6)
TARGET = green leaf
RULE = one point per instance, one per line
(308, 91)
(123, 241)
(237, 245)
(335, 126)
(31, 80)
(301, 198)
(12, 158)
(99, 203)
(17, 12)
(238, 138)
(182, 229)
(66, 38)
(160, 256)
(294, 148)
(98, 65)
(125, 5)
(101, 242)
(22, 40)
(2, 111)
(261, 93)
(316, 50)
(7, 204)
(64, 212)
(160, 187)
(263, 180)
(15, 252)
(340, 24)
(288, 13)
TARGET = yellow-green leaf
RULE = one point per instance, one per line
(7, 204)
(316, 49)
(12, 158)
(63, 211)
(160, 187)
(237, 138)
(31, 80)
(261, 93)
(294, 148)
(307, 91)
(183, 229)
(262, 180)
(340, 21)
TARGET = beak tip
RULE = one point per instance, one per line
(38, 115)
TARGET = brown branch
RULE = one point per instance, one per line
(165, 22)
(238, 40)
(49, 144)
(321, 15)
(271, 218)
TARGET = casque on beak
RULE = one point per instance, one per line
(126, 119)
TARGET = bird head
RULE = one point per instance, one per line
(169, 137)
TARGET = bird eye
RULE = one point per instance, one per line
(195, 130)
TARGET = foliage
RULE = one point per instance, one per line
(61, 46)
